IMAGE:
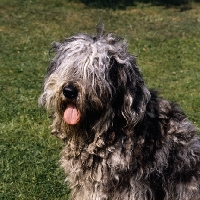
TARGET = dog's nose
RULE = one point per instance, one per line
(70, 92)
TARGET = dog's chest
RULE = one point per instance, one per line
(109, 175)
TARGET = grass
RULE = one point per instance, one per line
(166, 41)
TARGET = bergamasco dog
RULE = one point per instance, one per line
(122, 141)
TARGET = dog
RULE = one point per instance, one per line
(122, 141)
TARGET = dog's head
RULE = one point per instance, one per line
(93, 83)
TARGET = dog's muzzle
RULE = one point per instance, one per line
(70, 92)
(71, 113)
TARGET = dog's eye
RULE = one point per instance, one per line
(113, 75)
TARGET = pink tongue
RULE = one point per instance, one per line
(71, 114)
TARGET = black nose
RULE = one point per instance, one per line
(70, 92)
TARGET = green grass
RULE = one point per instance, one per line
(166, 41)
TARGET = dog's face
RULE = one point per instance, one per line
(93, 82)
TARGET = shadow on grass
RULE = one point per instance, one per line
(122, 4)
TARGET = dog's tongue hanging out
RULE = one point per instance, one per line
(71, 114)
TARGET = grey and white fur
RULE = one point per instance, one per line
(129, 144)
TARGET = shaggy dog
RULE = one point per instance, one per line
(122, 141)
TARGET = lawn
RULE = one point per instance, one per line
(166, 41)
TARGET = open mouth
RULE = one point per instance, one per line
(71, 114)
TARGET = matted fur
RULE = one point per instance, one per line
(129, 144)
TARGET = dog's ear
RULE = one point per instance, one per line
(52, 53)
(130, 95)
